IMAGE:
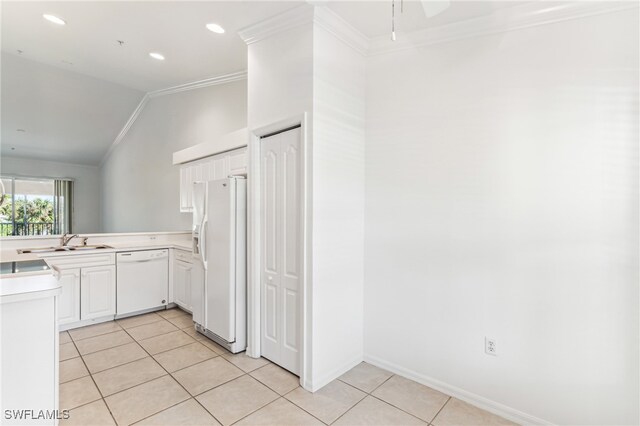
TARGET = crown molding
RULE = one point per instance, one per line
(312, 12)
(212, 81)
(285, 21)
(513, 18)
(341, 29)
(222, 79)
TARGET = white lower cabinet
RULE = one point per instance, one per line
(97, 292)
(88, 288)
(69, 299)
(182, 284)
(188, 280)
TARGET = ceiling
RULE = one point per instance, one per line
(373, 18)
(52, 114)
(88, 43)
(72, 88)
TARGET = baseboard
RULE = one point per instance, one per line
(317, 384)
(466, 396)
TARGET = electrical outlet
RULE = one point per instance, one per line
(490, 347)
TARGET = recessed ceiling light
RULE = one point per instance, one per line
(215, 28)
(157, 56)
(54, 19)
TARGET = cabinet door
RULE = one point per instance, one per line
(69, 299)
(182, 284)
(97, 292)
(238, 162)
(220, 167)
(185, 188)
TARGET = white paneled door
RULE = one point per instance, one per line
(281, 248)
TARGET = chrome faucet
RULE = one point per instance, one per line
(66, 238)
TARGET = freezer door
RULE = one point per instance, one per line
(220, 254)
(199, 201)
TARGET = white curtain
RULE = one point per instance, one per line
(62, 206)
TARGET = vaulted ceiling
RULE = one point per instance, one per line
(68, 90)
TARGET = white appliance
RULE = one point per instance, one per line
(142, 280)
(219, 242)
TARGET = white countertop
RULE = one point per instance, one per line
(12, 255)
(28, 286)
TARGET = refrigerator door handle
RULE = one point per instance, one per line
(202, 243)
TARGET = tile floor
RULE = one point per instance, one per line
(154, 369)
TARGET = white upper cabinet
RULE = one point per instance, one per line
(210, 168)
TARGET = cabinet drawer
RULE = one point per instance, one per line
(81, 261)
(183, 255)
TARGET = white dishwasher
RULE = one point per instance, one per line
(142, 280)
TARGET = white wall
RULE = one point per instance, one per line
(307, 70)
(338, 205)
(140, 187)
(502, 201)
(86, 186)
(280, 86)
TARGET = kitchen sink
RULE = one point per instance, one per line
(63, 248)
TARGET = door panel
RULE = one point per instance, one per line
(69, 300)
(291, 202)
(271, 302)
(98, 292)
(281, 248)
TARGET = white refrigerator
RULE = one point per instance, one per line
(219, 242)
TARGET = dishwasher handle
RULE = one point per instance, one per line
(142, 256)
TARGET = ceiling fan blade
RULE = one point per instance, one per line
(433, 7)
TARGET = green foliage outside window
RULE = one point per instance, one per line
(35, 210)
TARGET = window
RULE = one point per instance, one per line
(34, 206)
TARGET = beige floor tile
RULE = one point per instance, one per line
(236, 399)
(365, 377)
(64, 337)
(412, 397)
(102, 342)
(72, 369)
(128, 375)
(276, 378)
(146, 331)
(207, 375)
(244, 362)
(94, 330)
(68, 351)
(94, 414)
(172, 313)
(182, 321)
(194, 334)
(282, 413)
(139, 320)
(188, 413)
(372, 411)
(146, 399)
(213, 346)
(460, 413)
(328, 403)
(165, 342)
(179, 358)
(99, 361)
(78, 392)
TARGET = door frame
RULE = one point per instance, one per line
(254, 246)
